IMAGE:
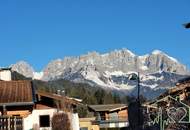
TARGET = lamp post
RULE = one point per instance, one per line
(138, 88)
(135, 107)
(136, 76)
(138, 98)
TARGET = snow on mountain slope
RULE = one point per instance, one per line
(158, 52)
(158, 71)
(118, 60)
(38, 75)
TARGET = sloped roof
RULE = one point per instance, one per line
(58, 97)
(108, 108)
(180, 86)
(1, 69)
(16, 92)
(184, 80)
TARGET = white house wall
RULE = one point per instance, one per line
(5, 75)
(33, 119)
(75, 121)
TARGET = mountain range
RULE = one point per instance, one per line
(158, 71)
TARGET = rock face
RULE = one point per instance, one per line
(158, 71)
(119, 60)
(23, 68)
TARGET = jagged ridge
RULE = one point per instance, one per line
(111, 70)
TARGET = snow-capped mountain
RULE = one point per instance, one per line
(23, 68)
(38, 75)
(119, 60)
(27, 70)
(158, 71)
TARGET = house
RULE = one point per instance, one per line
(16, 95)
(172, 107)
(180, 92)
(87, 124)
(49, 104)
(16, 103)
(182, 89)
(24, 108)
(108, 116)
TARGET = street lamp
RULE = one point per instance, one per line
(135, 107)
(136, 76)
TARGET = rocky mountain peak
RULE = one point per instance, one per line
(118, 60)
(158, 71)
(23, 68)
(158, 52)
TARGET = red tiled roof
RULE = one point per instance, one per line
(16, 92)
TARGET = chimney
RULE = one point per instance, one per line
(58, 92)
(5, 74)
(63, 92)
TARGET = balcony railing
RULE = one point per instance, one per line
(112, 119)
(11, 123)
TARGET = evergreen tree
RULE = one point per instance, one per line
(100, 94)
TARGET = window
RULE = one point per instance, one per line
(44, 121)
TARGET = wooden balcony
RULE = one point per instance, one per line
(111, 122)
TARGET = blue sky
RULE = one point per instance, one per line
(39, 31)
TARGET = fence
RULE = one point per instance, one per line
(11, 123)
